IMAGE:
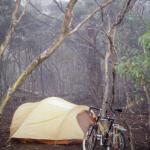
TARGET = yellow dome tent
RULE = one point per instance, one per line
(52, 120)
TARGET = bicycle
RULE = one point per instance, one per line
(105, 130)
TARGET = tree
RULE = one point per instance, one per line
(15, 19)
(110, 54)
(64, 33)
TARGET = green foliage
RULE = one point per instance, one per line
(144, 40)
(138, 67)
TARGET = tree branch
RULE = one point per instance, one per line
(90, 16)
(126, 6)
(92, 45)
(14, 22)
(40, 11)
(59, 5)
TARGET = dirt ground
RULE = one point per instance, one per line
(138, 122)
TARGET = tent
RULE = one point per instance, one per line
(52, 120)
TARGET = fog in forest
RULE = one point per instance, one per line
(77, 70)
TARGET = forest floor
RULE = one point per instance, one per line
(138, 122)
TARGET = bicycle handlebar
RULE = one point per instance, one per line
(108, 118)
(118, 110)
(92, 107)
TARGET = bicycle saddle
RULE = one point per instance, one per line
(119, 110)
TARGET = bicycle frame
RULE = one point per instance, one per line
(112, 130)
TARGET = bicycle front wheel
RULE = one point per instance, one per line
(90, 138)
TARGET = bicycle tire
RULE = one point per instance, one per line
(90, 138)
(121, 141)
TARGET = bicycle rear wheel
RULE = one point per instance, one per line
(90, 138)
(120, 144)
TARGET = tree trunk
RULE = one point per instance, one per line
(108, 58)
(15, 19)
(111, 49)
(107, 84)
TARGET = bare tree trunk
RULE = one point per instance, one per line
(110, 34)
(14, 22)
(108, 59)
(113, 84)
(107, 84)
(42, 81)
